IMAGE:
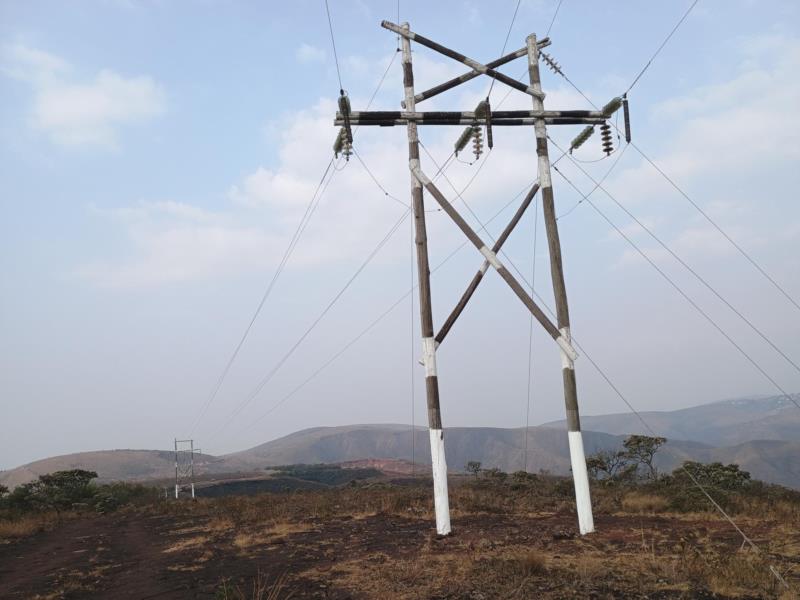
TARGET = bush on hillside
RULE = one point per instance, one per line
(71, 490)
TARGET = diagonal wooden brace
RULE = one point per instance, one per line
(449, 85)
(476, 280)
(472, 64)
(491, 258)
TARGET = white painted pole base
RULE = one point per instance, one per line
(192, 491)
(580, 476)
(441, 502)
(176, 490)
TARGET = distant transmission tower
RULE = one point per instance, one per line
(184, 466)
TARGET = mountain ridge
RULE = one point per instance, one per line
(767, 445)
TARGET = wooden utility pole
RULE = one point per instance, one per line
(439, 464)
(538, 118)
(576, 453)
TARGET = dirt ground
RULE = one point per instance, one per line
(139, 555)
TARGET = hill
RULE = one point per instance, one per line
(772, 461)
(762, 435)
(118, 465)
(723, 423)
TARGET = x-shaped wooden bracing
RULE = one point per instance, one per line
(491, 259)
(501, 118)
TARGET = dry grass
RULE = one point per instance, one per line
(187, 544)
(261, 589)
(27, 525)
(264, 536)
(635, 502)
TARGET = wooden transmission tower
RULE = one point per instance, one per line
(483, 117)
(184, 466)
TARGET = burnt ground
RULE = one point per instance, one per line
(138, 555)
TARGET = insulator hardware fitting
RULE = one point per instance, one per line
(612, 106)
(477, 141)
(605, 136)
(581, 138)
(551, 63)
(342, 145)
(344, 108)
(463, 139)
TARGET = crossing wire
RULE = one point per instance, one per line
(665, 246)
(661, 47)
(268, 377)
(333, 43)
(688, 298)
(441, 171)
(530, 336)
(695, 205)
(553, 20)
(301, 226)
(505, 43)
(724, 234)
(382, 316)
(310, 209)
(602, 179)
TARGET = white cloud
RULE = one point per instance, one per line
(81, 113)
(178, 242)
(307, 53)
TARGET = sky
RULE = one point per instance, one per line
(156, 159)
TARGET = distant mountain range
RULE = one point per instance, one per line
(724, 423)
(762, 435)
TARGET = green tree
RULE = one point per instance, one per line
(496, 474)
(641, 450)
(57, 491)
(474, 467)
(609, 466)
(714, 475)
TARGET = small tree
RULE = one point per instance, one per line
(714, 475)
(641, 450)
(609, 466)
(496, 474)
(474, 467)
(56, 491)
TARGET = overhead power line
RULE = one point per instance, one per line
(505, 42)
(721, 231)
(680, 290)
(268, 377)
(301, 226)
(697, 207)
(530, 337)
(312, 206)
(686, 266)
(661, 47)
(553, 20)
(333, 44)
(383, 315)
